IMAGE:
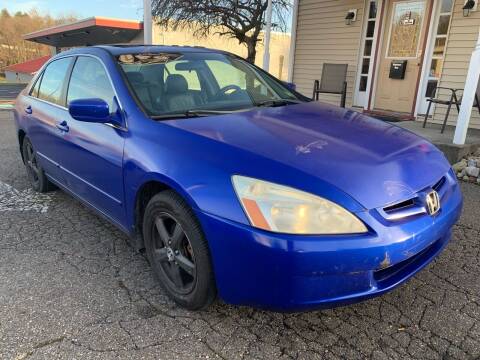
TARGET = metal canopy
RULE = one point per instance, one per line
(87, 32)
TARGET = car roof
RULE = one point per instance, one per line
(121, 49)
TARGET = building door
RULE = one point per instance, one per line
(405, 31)
(92, 153)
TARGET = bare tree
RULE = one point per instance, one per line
(239, 19)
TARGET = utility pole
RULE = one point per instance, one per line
(268, 30)
(147, 22)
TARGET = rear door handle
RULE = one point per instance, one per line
(28, 109)
(63, 126)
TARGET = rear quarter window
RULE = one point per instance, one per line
(36, 86)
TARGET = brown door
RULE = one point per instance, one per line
(404, 36)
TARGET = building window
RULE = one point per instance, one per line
(439, 46)
(368, 46)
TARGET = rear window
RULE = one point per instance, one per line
(53, 81)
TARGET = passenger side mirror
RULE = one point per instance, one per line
(289, 85)
(89, 110)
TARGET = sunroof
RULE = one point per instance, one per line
(147, 58)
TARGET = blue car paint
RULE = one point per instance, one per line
(360, 163)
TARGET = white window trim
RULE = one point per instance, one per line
(432, 35)
(373, 55)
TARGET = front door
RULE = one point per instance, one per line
(405, 31)
(92, 153)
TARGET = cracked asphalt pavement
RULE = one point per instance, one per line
(72, 288)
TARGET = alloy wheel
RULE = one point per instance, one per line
(173, 253)
(32, 165)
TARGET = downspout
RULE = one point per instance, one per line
(473, 76)
(293, 41)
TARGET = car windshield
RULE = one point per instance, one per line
(172, 85)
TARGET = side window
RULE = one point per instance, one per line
(53, 80)
(89, 80)
(36, 87)
(189, 75)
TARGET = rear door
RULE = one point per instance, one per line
(92, 153)
(44, 113)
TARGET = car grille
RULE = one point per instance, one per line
(438, 186)
(414, 206)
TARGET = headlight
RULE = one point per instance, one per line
(286, 210)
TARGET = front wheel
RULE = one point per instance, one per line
(35, 172)
(178, 251)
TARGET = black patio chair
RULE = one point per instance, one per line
(333, 81)
(453, 100)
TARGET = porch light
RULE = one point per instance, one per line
(468, 7)
(352, 16)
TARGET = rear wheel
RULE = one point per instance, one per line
(178, 251)
(35, 172)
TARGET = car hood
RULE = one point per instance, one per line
(375, 162)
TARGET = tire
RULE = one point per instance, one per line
(178, 251)
(35, 172)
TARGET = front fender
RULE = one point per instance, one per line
(203, 185)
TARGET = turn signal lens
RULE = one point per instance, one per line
(286, 210)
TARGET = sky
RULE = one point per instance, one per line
(125, 9)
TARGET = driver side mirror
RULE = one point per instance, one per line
(90, 110)
(290, 85)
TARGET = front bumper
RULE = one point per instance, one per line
(294, 273)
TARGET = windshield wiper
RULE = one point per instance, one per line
(191, 114)
(277, 102)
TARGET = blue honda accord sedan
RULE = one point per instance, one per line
(232, 182)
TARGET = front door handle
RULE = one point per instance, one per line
(28, 109)
(63, 126)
